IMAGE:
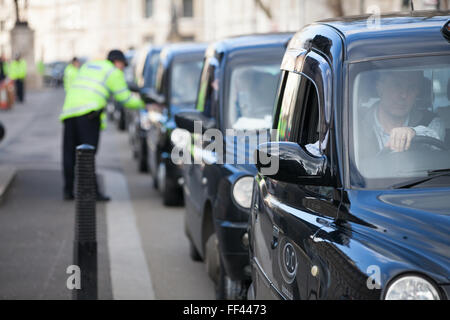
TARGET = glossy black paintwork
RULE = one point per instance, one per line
(294, 164)
(210, 206)
(341, 235)
(138, 134)
(162, 112)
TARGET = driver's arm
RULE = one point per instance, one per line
(436, 129)
(400, 138)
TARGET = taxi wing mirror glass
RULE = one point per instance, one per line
(133, 86)
(150, 96)
(187, 120)
(289, 162)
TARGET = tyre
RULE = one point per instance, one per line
(251, 292)
(228, 289)
(212, 259)
(170, 193)
(142, 156)
(193, 252)
(225, 287)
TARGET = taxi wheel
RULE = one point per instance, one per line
(228, 289)
(142, 156)
(193, 252)
(171, 196)
(153, 171)
(212, 259)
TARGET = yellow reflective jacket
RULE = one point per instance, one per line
(70, 72)
(95, 82)
(17, 69)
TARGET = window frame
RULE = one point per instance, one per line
(180, 59)
(317, 70)
(242, 57)
(208, 76)
(358, 181)
(183, 4)
(145, 11)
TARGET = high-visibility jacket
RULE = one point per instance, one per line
(92, 87)
(17, 69)
(70, 72)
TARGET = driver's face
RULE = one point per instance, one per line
(397, 94)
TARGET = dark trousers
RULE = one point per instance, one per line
(20, 89)
(78, 130)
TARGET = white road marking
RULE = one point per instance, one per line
(130, 275)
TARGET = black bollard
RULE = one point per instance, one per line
(85, 246)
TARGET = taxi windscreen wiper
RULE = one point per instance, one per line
(413, 182)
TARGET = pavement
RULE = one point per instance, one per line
(36, 225)
(143, 252)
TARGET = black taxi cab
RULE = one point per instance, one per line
(138, 122)
(176, 83)
(359, 204)
(235, 103)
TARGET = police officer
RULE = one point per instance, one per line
(83, 112)
(17, 71)
(70, 72)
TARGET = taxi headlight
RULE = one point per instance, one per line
(242, 191)
(144, 120)
(411, 288)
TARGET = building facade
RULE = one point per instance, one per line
(89, 28)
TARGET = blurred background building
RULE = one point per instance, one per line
(89, 28)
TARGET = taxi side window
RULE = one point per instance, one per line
(287, 112)
(299, 113)
(207, 85)
(308, 104)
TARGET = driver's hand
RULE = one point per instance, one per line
(400, 139)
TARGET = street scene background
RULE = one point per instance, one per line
(143, 252)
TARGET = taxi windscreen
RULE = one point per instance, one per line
(400, 120)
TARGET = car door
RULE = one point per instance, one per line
(295, 213)
(195, 181)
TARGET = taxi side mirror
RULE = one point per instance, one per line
(150, 96)
(187, 119)
(289, 162)
(133, 86)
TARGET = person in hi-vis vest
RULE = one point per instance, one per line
(83, 112)
(17, 71)
(70, 73)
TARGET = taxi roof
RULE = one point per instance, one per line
(170, 51)
(243, 42)
(367, 37)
